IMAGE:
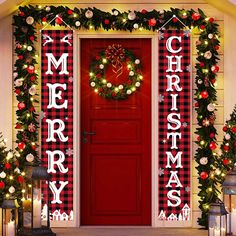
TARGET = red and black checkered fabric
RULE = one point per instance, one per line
(184, 108)
(57, 48)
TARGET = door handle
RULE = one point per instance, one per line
(85, 133)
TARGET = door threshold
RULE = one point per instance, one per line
(115, 226)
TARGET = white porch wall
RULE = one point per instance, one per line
(6, 78)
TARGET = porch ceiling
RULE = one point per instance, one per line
(9, 6)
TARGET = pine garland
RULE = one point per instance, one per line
(26, 77)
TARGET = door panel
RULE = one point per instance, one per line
(116, 158)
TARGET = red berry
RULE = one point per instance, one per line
(233, 129)
(235, 144)
(99, 76)
(21, 145)
(7, 166)
(212, 135)
(198, 138)
(217, 47)
(2, 184)
(70, 12)
(113, 94)
(203, 175)
(196, 104)
(34, 147)
(21, 105)
(97, 57)
(144, 11)
(225, 161)
(202, 64)
(20, 57)
(226, 148)
(30, 69)
(32, 109)
(20, 179)
(21, 14)
(211, 19)
(202, 27)
(32, 78)
(31, 38)
(174, 19)
(18, 126)
(152, 22)
(17, 91)
(58, 20)
(196, 16)
(44, 19)
(106, 21)
(204, 94)
(212, 146)
(225, 128)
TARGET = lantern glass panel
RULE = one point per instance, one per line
(217, 225)
(9, 222)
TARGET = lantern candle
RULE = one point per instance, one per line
(37, 205)
(11, 228)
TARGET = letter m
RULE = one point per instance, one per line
(177, 159)
(62, 60)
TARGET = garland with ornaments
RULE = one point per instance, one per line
(228, 147)
(11, 177)
(116, 56)
(30, 18)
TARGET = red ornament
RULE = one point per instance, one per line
(99, 76)
(202, 64)
(2, 184)
(21, 105)
(20, 179)
(213, 81)
(196, 104)
(17, 91)
(225, 161)
(217, 47)
(106, 21)
(233, 129)
(198, 138)
(21, 145)
(33, 146)
(235, 144)
(212, 135)
(211, 19)
(144, 11)
(31, 38)
(20, 57)
(58, 20)
(100, 90)
(44, 19)
(196, 16)
(226, 148)
(225, 128)
(212, 145)
(152, 22)
(204, 94)
(32, 109)
(203, 175)
(17, 163)
(202, 27)
(70, 12)
(21, 14)
(30, 69)
(32, 78)
(174, 19)
(215, 69)
(97, 57)
(18, 126)
(7, 166)
(113, 94)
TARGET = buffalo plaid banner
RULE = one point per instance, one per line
(57, 120)
(174, 125)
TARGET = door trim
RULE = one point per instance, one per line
(154, 125)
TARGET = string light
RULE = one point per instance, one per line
(11, 177)
(104, 81)
(206, 42)
(140, 77)
(96, 90)
(90, 27)
(104, 60)
(23, 190)
(124, 20)
(23, 173)
(29, 185)
(91, 74)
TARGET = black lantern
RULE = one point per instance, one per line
(217, 219)
(229, 190)
(34, 222)
(9, 218)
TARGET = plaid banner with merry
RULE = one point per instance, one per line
(174, 125)
(57, 119)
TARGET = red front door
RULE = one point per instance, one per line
(116, 157)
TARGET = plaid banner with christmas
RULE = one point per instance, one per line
(174, 125)
(57, 119)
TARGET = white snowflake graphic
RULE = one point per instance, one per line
(161, 98)
(71, 79)
(184, 124)
(187, 33)
(187, 189)
(42, 115)
(161, 171)
(69, 152)
(160, 35)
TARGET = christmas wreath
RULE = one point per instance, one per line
(115, 55)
